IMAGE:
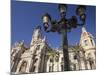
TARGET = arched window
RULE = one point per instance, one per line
(89, 55)
(91, 61)
(33, 69)
(91, 42)
(35, 60)
(51, 60)
(57, 59)
(23, 67)
(62, 67)
(86, 42)
(75, 57)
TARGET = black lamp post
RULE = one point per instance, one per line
(63, 26)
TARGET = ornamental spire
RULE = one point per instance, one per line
(83, 29)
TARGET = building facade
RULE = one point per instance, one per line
(40, 57)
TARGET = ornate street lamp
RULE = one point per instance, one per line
(63, 26)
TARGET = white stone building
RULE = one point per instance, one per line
(89, 47)
(32, 59)
(39, 57)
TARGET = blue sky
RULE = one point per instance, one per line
(25, 16)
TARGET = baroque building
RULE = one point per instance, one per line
(32, 59)
(89, 48)
(40, 57)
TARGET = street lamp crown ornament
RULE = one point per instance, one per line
(80, 10)
(46, 19)
(62, 9)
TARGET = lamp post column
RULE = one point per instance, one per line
(65, 51)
